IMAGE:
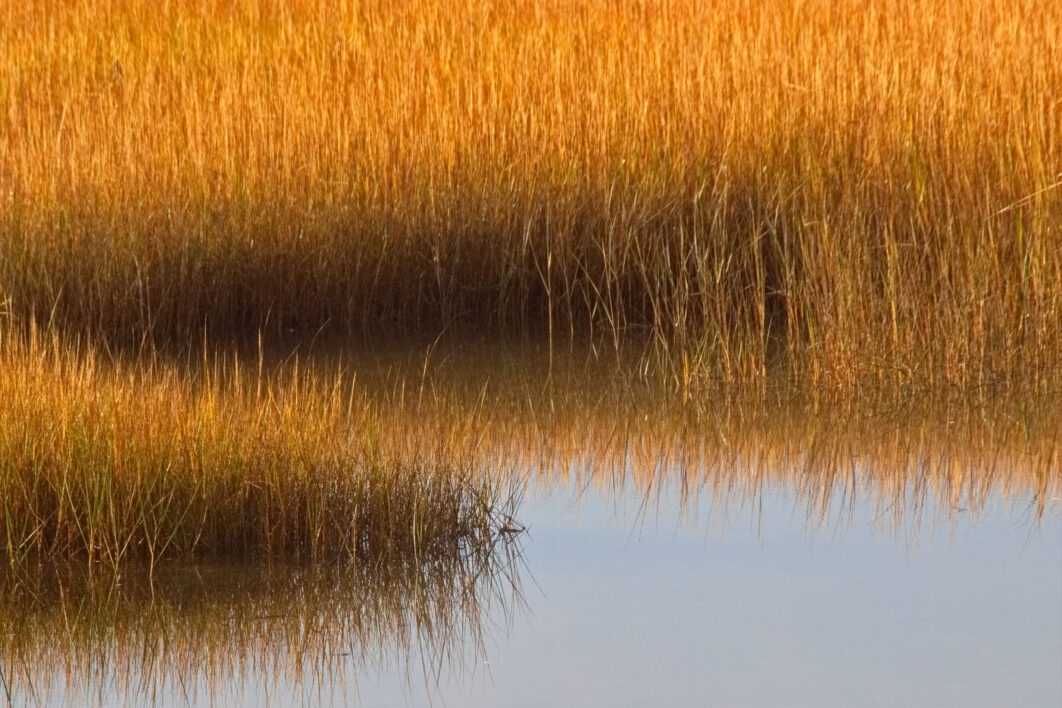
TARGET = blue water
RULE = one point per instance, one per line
(733, 601)
(634, 604)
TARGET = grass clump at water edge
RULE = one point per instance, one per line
(114, 461)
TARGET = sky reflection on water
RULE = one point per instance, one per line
(630, 604)
(784, 561)
(762, 610)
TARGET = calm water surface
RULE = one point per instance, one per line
(632, 608)
(631, 604)
(817, 566)
(764, 611)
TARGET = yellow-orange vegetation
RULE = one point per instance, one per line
(836, 196)
(856, 191)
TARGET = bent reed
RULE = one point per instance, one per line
(848, 193)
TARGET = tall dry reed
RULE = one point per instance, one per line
(851, 191)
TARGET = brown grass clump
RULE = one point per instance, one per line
(860, 194)
(111, 461)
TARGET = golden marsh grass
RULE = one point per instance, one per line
(860, 192)
(113, 461)
(831, 197)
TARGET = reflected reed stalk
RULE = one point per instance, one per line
(207, 631)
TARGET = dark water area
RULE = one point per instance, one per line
(721, 554)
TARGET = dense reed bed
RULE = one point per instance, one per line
(847, 193)
(214, 633)
(111, 461)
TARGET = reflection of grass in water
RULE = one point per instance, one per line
(67, 632)
(914, 455)
(953, 458)
(323, 458)
(931, 462)
(115, 461)
(867, 195)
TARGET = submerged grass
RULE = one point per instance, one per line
(115, 461)
(868, 195)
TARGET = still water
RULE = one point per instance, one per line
(637, 609)
(628, 602)
(789, 558)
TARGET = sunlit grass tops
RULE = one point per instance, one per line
(111, 461)
(864, 193)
